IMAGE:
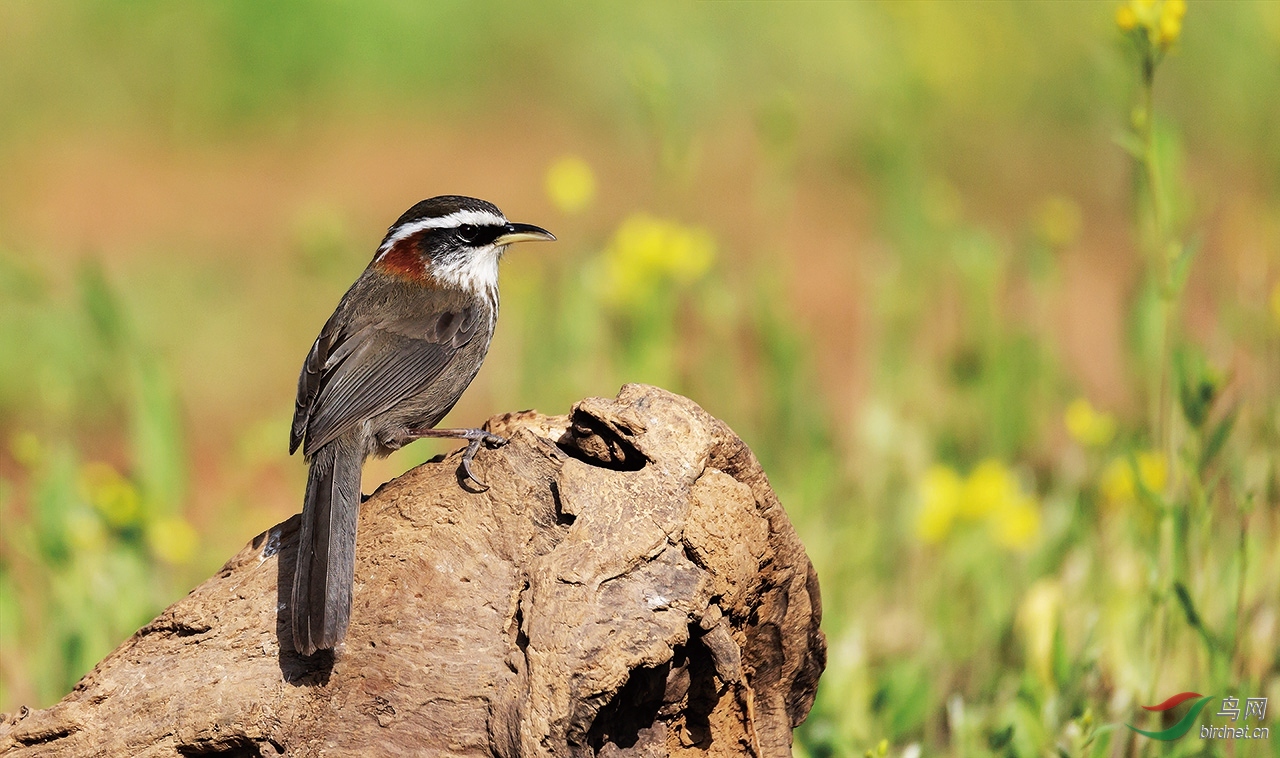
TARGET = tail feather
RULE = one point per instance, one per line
(326, 549)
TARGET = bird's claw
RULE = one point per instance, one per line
(474, 439)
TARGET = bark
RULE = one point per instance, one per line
(628, 586)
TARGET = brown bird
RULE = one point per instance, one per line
(402, 346)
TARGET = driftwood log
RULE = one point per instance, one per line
(629, 586)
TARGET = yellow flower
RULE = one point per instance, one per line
(990, 487)
(1160, 19)
(1118, 484)
(172, 539)
(1153, 470)
(993, 492)
(1038, 617)
(649, 253)
(1017, 524)
(1087, 426)
(110, 494)
(940, 502)
(1126, 19)
(571, 184)
(1169, 29)
(990, 492)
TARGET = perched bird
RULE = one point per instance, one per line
(402, 346)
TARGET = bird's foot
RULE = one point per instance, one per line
(474, 437)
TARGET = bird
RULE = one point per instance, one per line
(402, 346)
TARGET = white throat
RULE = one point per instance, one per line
(476, 273)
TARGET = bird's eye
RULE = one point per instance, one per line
(468, 233)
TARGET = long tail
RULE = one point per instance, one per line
(327, 549)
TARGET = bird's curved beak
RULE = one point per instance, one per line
(523, 233)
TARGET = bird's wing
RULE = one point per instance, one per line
(352, 376)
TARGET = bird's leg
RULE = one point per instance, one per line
(474, 438)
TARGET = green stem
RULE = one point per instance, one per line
(1242, 558)
(1157, 260)
(1153, 229)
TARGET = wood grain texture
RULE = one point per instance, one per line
(629, 586)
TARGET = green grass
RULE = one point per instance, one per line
(1006, 570)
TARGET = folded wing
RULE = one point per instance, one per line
(350, 376)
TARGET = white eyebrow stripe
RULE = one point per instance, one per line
(457, 218)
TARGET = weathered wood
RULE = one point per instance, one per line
(629, 585)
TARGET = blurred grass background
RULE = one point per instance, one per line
(1006, 340)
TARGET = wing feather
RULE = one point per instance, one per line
(348, 378)
(310, 379)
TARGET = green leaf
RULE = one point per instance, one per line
(1193, 616)
(1188, 606)
(1131, 144)
(101, 304)
(1062, 663)
(1218, 439)
(1198, 385)
(1180, 259)
(1103, 737)
(904, 699)
(159, 450)
(999, 739)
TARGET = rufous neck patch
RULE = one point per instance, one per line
(404, 260)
